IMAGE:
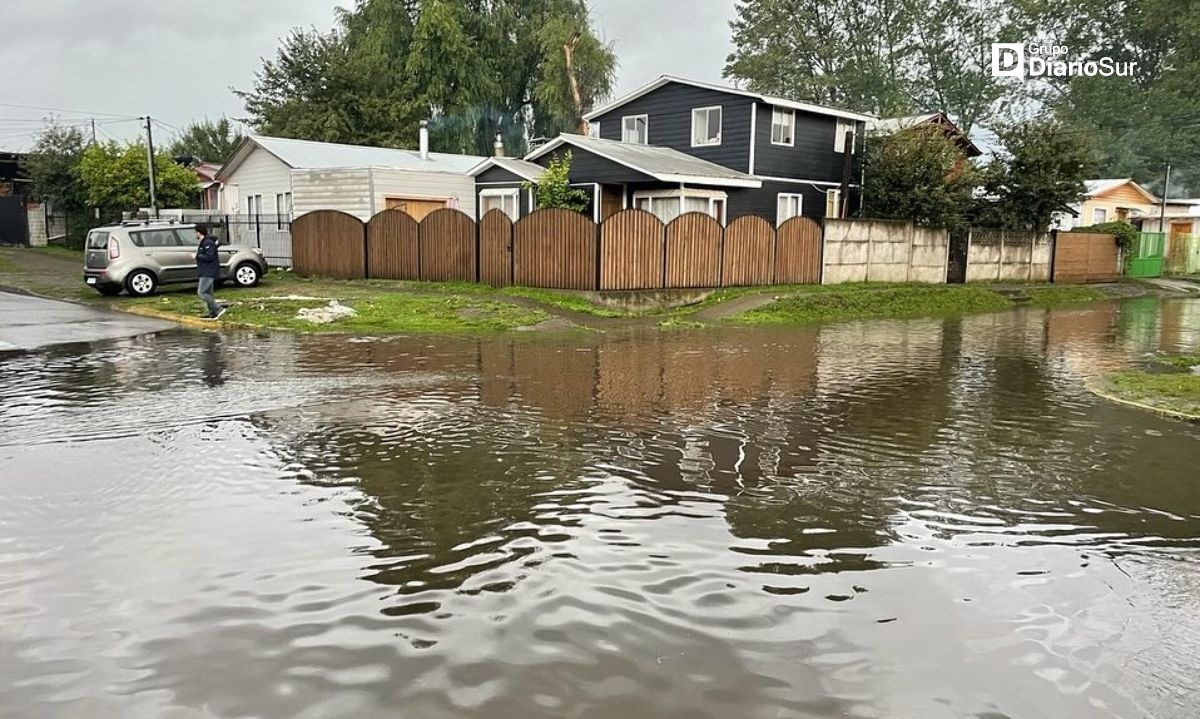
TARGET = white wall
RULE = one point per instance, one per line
(434, 185)
(883, 251)
(261, 173)
(348, 190)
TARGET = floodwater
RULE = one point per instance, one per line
(926, 518)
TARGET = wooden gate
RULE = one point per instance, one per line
(447, 246)
(556, 249)
(798, 252)
(1084, 257)
(496, 249)
(631, 251)
(329, 243)
(392, 251)
(749, 255)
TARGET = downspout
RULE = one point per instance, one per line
(370, 190)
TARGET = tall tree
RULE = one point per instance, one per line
(472, 67)
(889, 57)
(206, 140)
(53, 167)
(1040, 170)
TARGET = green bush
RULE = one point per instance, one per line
(1124, 232)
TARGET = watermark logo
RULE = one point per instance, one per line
(1030, 60)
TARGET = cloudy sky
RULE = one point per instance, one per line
(177, 59)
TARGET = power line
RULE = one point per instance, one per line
(60, 109)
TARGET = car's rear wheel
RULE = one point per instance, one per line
(141, 283)
(247, 274)
(109, 290)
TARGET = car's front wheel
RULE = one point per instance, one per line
(247, 274)
(141, 283)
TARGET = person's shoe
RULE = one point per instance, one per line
(223, 310)
(208, 317)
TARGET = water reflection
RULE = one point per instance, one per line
(917, 518)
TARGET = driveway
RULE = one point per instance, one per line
(28, 323)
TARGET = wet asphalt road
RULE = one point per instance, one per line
(28, 323)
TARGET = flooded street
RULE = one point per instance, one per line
(923, 518)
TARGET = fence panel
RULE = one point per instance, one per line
(446, 241)
(693, 245)
(748, 253)
(555, 248)
(1085, 257)
(798, 252)
(329, 243)
(392, 250)
(631, 251)
(496, 249)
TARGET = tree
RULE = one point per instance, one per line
(207, 141)
(53, 165)
(473, 69)
(918, 175)
(890, 57)
(554, 189)
(117, 179)
(1039, 172)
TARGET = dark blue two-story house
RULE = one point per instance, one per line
(677, 145)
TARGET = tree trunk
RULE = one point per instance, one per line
(576, 96)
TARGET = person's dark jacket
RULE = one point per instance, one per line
(208, 260)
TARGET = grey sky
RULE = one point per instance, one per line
(177, 59)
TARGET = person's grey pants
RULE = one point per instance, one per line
(205, 290)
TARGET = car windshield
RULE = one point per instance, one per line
(97, 240)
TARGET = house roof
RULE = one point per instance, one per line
(769, 99)
(892, 125)
(309, 155)
(661, 163)
(525, 170)
(1099, 187)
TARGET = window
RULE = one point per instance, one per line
(783, 126)
(283, 209)
(253, 204)
(1099, 216)
(666, 204)
(706, 126)
(833, 203)
(97, 240)
(839, 140)
(594, 129)
(157, 238)
(635, 129)
(787, 206)
(507, 201)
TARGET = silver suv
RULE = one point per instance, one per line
(137, 257)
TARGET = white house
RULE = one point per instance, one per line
(277, 176)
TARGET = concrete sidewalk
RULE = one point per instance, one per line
(32, 322)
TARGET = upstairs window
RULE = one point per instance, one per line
(783, 126)
(833, 203)
(706, 126)
(839, 140)
(635, 129)
(593, 129)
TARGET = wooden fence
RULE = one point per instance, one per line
(1085, 257)
(631, 250)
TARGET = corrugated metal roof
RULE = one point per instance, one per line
(661, 163)
(895, 124)
(521, 168)
(309, 155)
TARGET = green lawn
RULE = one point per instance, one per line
(850, 302)
(1054, 295)
(1177, 392)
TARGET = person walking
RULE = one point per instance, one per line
(208, 268)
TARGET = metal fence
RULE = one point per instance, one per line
(270, 233)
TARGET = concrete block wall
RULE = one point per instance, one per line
(884, 251)
(35, 218)
(1003, 256)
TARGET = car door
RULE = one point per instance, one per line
(186, 244)
(164, 253)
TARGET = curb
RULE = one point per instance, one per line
(1163, 411)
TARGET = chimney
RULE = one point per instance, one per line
(424, 140)
(498, 146)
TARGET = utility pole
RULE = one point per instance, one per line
(1162, 212)
(150, 164)
(93, 131)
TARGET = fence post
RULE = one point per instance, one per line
(258, 230)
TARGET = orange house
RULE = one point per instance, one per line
(1115, 200)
